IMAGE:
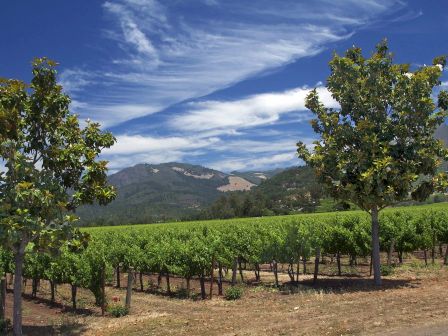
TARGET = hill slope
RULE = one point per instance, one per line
(169, 191)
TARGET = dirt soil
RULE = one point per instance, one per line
(409, 303)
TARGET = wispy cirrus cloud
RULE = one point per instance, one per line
(166, 52)
(247, 112)
(161, 53)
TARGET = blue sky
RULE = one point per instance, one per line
(214, 82)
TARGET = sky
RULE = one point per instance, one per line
(220, 83)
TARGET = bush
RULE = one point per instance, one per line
(182, 293)
(117, 310)
(233, 293)
(386, 270)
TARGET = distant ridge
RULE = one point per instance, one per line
(168, 191)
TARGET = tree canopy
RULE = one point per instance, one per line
(52, 166)
(378, 147)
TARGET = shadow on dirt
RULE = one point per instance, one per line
(349, 285)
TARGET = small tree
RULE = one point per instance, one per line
(378, 147)
(51, 167)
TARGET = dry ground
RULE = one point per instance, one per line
(411, 302)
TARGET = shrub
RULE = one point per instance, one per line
(386, 270)
(182, 293)
(233, 293)
(117, 310)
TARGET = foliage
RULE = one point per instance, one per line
(387, 270)
(233, 293)
(52, 168)
(117, 310)
(379, 146)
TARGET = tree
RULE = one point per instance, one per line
(378, 147)
(51, 168)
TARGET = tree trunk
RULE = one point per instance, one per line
(188, 286)
(34, 288)
(390, 252)
(118, 277)
(433, 253)
(141, 282)
(445, 260)
(291, 272)
(103, 289)
(53, 291)
(234, 269)
(274, 263)
(376, 246)
(159, 280)
(212, 279)
(425, 254)
(168, 286)
(241, 271)
(338, 261)
(400, 257)
(220, 279)
(257, 272)
(298, 268)
(17, 313)
(316, 265)
(3, 301)
(304, 264)
(202, 282)
(129, 288)
(74, 291)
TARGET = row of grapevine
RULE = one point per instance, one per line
(204, 249)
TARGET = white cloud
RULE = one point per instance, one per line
(248, 112)
(133, 149)
(256, 163)
(168, 54)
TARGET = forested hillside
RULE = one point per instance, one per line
(150, 193)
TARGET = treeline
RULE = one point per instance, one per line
(294, 190)
(203, 250)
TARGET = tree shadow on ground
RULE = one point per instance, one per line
(57, 305)
(73, 329)
(354, 284)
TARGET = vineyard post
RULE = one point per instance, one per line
(129, 287)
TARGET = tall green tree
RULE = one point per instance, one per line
(378, 147)
(51, 168)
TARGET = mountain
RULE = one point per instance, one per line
(291, 190)
(169, 191)
(257, 177)
(442, 133)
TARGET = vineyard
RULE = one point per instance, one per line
(224, 251)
